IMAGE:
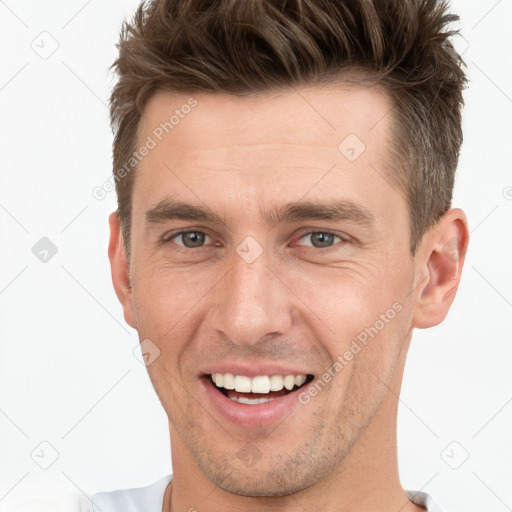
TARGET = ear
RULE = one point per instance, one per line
(120, 268)
(439, 263)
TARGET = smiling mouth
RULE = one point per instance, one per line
(257, 390)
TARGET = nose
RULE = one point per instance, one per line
(252, 302)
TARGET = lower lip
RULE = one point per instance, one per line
(245, 415)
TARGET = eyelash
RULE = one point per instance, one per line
(344, 239)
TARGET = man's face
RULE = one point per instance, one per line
(253, 294)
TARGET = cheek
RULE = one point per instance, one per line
(351, 298)
(362, 317)
(164, 297)
(169, 306)
(354, 301)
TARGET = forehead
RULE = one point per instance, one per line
(271, 149)
(311, 115)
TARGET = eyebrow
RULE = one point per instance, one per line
(331, 210)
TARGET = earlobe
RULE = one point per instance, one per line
(120, 269)
(440, 261)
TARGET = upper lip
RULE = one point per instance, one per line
(252, 370)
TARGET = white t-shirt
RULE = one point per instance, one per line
(146, 499)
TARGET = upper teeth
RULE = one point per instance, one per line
(259, 384)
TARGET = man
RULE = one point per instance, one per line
(284, 175)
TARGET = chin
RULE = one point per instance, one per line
(262, 484)
(264, 479)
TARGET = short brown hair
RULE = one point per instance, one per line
(257, 46)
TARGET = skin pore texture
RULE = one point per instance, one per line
(299, 305)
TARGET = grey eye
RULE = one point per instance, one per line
(320, 239)
(191, 239)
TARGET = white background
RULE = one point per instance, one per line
(68, 374)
